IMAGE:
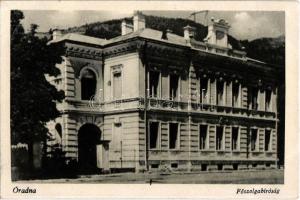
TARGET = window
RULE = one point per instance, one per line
(267, 139)
(268, 100)
(173, 136)
(220, 138)
(220, 93)
(174, 82)
(154, 166)
(203, 137)
(235, 94)
(117, 85)
(203, 90)
(254, 96)
(88, 84)
(235, 138)
(154, 84)
(174, 165)
(253, 139)
(154, 135)
(58, 129)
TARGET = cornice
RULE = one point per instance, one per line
(84, 52)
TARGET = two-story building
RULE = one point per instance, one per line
(149, 99)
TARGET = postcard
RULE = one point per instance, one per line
(149, 99)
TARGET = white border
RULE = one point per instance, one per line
(287, 190)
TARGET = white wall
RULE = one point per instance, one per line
(130, 75)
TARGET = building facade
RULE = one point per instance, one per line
(148, 100)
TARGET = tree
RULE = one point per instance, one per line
(33, 98)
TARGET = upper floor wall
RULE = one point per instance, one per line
(129, 72)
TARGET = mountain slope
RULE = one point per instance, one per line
(270, 50)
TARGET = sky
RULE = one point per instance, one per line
(244, 24)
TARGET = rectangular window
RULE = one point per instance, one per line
(154, 135)
(203, 137)
(220, 138)
(254, 95)
(267, 139)
(154, 83)
(117, 85)
(173, 136)
(253, 140)
(203, 90)
(220, 93)
(268, 100)
(174, 82)
(235, 138)
(235, 94)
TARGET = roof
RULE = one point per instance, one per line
(80, 38)
(151, 34)
(144, 33)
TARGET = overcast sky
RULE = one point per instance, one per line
(244, 24)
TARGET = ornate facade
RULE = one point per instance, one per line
(149, 99)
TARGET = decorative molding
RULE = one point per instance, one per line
(88, 66)
(84, 52)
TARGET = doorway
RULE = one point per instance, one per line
(89, 137)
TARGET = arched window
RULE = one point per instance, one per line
(58, 129)
(88, 84)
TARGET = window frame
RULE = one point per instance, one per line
(238, 102)
(159, 86)
(207, 99)
(177, 145)
(270, 140)
(222, 102)
(158, 135)
(178, 87)
(268, 107)
(256, 149)
(238, 138)
(115, 70)
(80, 80)
(206, 139)
(223, 138)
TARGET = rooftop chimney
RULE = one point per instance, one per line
(165, 33)
(56, 34)
(126, 28)
(218, 33)
(189, 32)
(139, 21)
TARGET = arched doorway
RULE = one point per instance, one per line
(88, 138)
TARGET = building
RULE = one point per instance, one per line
(148, 100)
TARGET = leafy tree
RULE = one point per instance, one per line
(33, 98)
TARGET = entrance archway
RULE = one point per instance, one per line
(89, 136)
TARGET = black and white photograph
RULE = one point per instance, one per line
(147, 96)
(162, 96)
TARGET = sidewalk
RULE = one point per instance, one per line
(224, 177)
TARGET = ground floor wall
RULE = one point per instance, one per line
(190, 156)
(125, 143)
